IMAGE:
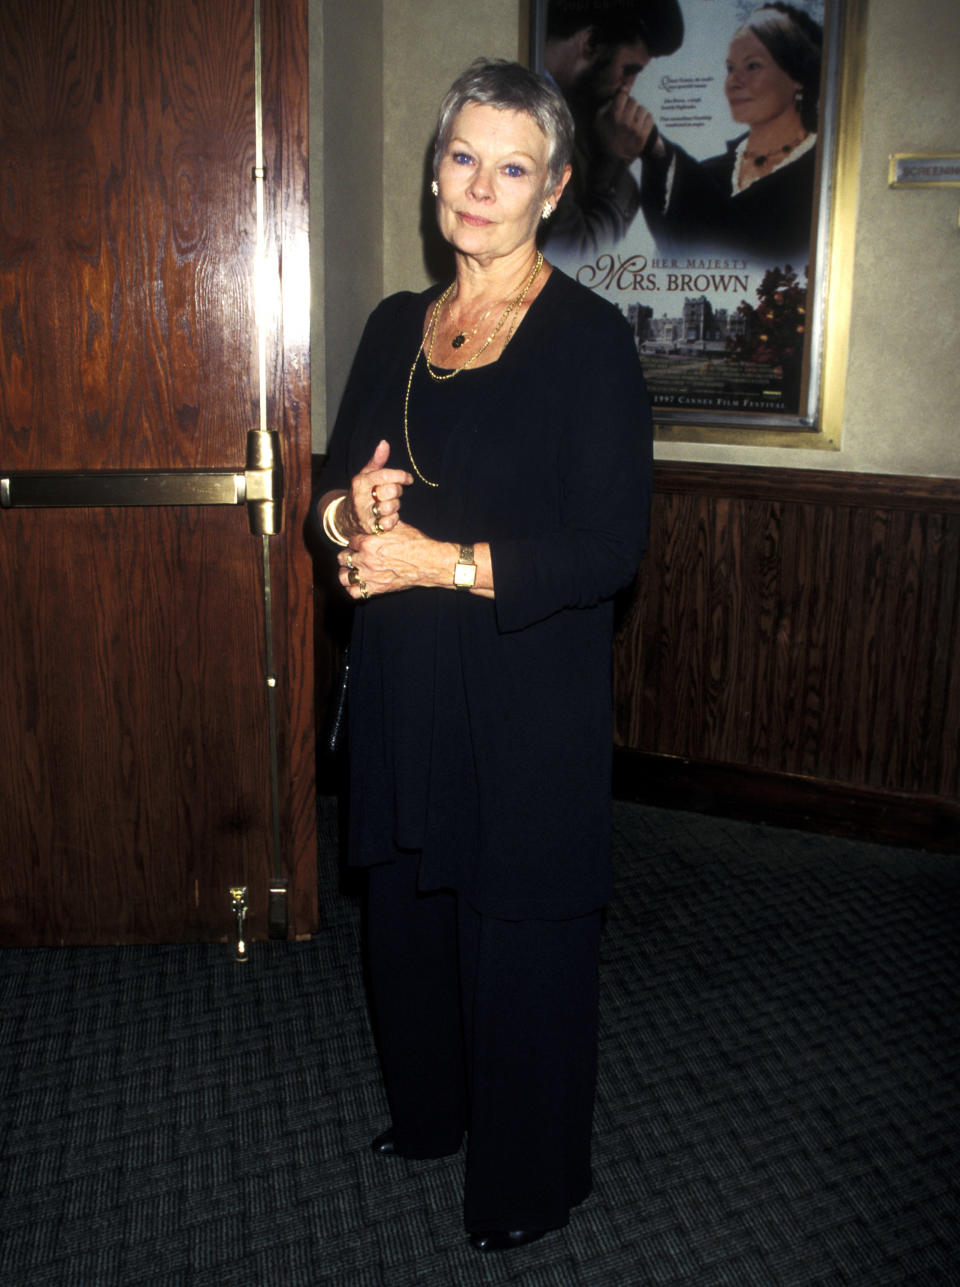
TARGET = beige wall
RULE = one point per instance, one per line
(383, 66)
(346, 211)
(902, 407)
(903, 387)
(426, 45)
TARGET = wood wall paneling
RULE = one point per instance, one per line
(798, 624)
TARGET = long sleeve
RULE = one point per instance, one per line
(599, 204)
(352, 441)
(686, 202)
(604, 447)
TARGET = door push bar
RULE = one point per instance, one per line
(259, 486)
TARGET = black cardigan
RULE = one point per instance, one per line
(481, 730)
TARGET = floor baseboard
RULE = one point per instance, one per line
(788, 800)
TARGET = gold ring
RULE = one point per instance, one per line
(377, 528)
(363, 591)
(353, 576)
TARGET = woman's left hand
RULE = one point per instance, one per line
(398, 560)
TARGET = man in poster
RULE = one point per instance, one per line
(594, 51)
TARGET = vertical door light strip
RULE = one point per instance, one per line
(260, 174)
(262, 304)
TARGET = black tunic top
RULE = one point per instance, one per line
(480, 730)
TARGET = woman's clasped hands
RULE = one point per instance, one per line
(384, 553)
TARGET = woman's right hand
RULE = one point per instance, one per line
(372, 504)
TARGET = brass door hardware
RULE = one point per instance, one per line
(259, 486)
(238, 902)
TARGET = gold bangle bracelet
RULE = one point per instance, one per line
(330, 522)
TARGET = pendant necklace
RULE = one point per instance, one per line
(761, 158)
(460, 338)
(433, 328)
(512, 308)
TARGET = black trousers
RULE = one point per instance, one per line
(489, 1028)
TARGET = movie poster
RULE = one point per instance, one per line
(697, 192)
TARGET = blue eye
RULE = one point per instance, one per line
(515, 171)
(461, 158)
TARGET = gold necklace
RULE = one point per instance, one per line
(461, 337)
(406, 425)
(512, 307)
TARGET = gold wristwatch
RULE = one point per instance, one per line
(465, 573)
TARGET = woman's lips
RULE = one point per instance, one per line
(475, 221)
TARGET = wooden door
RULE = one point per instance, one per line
(155, 702)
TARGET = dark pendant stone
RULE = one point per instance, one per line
(458, 340)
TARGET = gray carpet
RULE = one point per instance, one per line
(778, 1101)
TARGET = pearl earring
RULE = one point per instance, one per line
(435, 188)
(547, 210)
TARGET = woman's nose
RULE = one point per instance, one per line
(481, 186)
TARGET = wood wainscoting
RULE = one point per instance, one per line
(790, 652)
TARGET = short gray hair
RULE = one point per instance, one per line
(510, 87)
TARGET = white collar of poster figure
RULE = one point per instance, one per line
(740, 148)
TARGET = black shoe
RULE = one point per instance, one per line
(385, 1145)
(504, 1239)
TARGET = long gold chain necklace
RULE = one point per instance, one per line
(512, 308)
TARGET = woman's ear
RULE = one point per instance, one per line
(554, 196)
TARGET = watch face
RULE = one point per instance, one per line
(464, 575)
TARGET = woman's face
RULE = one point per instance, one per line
(493, 182)
(757, 88)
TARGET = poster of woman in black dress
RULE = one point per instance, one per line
(694, 202)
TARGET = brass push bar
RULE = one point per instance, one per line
(259, 486)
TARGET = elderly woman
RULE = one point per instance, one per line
(488, 486)
(757, 198)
